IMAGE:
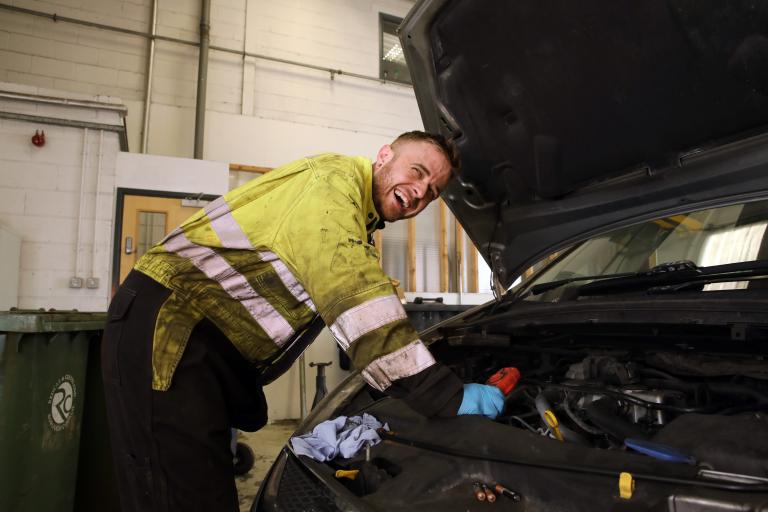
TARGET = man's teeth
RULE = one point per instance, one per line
(402, 199)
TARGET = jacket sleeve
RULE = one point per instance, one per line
(323, 239)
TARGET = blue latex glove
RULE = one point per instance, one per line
(482, 399)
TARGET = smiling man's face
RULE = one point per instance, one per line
(407, 176)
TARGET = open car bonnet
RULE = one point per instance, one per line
(573, 118)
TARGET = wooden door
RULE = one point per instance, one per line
(146, 220)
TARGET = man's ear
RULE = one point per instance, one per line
(385, 155)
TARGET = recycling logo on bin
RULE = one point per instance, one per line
(62, 402)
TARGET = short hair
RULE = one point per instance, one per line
(446, 146)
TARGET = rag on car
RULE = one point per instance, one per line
(344, 436)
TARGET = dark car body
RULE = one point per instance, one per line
(621, 149)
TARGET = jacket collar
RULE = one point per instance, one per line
(372, 218)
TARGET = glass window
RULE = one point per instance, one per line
(391, 58)
(151, 230)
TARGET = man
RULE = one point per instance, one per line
(229, 289)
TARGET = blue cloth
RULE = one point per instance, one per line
(343, 436)
(482, 399)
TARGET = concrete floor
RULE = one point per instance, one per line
(266, 444)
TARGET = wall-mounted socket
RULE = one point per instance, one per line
(75, 282)
(92, 282)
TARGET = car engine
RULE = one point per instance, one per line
(687, 401)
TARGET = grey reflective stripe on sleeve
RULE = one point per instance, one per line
(235, 284)
(404, 362)
(226, 227)
(365, 317)
(170, 235)
(232, 237)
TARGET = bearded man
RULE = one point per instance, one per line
(209, 310)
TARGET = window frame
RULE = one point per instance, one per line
(385, 18)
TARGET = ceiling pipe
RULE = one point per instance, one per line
(202, 78)
(148, 88)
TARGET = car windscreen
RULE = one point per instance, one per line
(715, 236)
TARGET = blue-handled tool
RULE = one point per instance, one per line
(659, 451)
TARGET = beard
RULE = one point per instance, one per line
(382, 182)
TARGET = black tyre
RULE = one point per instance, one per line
(244, 459)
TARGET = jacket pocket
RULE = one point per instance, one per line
(113, 334)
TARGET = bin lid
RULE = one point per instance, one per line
(38, 320)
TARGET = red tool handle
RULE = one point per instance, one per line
(505, 379)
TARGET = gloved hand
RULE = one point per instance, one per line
(482, 399)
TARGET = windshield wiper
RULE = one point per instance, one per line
(551, 285)
(676, 276)
(665, 275)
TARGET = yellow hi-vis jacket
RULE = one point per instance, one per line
(261, 260)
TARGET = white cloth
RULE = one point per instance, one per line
(343, 436)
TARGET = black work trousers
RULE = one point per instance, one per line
(172, 448)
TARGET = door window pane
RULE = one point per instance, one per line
(151, 230)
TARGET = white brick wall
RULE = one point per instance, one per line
(40, 201)
(330, 33)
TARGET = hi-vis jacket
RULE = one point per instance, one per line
(261, 260)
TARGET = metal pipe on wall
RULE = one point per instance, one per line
(202, 78)
(72, 123)
(148, 88)
(75, 282)
(99, 164)
(67, 102)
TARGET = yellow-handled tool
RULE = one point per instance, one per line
(551, 420)
(347, 473)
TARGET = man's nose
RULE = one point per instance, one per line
(420, 189)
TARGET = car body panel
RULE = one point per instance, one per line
(573, 118)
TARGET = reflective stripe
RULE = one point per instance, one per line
(226, 227)
(365, 317)
(288, 279)
(170, 235)
(232, 237)
(404, 362)
(236, 285)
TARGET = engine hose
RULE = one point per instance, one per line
(658, 373)
(603, 414)
(695, 388)
(543, 406)
(730, 388)
(396, 438)
(578, 421)
(635, 400)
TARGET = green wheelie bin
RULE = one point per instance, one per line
(43, 368)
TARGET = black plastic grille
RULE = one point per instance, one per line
(298, 491)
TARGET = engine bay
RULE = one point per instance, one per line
(681, 410)
(683, 401)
